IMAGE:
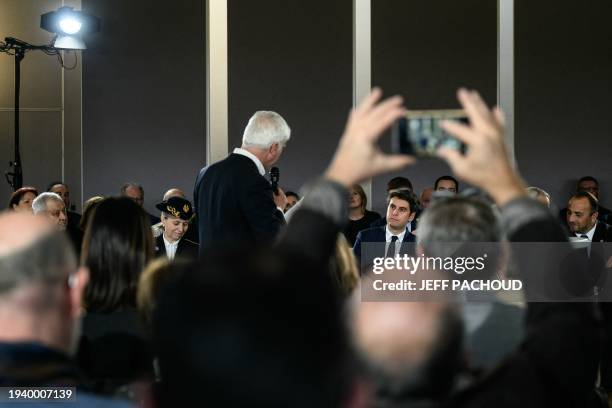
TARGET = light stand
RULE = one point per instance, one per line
(15, 177)
(65, 23)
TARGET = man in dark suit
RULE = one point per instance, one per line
(176, 214)
(590, 185)
(405, 185)
(233, 200)
(265, 357)
(73, 227)
(401, 210)
(582, 218)
(62, 190)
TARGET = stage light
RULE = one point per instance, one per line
(69, 25)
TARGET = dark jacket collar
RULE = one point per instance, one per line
(30, 364)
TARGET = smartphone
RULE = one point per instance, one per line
(419, 132)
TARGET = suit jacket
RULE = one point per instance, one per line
(378, 234)
(603, 232)
(29, 364)
(74, 219)
(186, 249)
(235, 204)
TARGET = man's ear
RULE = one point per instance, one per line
(594, 216)
(76, 287)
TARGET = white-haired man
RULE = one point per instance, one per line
(234, 201)
(51, 206)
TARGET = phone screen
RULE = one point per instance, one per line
(419, 133)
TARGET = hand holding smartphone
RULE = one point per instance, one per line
(419, 133)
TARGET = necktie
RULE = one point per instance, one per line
(391, 248)
(584, 236)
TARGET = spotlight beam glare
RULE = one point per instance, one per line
(70, 26)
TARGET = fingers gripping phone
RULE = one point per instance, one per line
(419, 132)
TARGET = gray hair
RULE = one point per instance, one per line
(40, 203)
(264, 129)
(48, 260)
(456, 220)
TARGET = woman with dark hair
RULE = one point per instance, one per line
(21, 200)
(117, 246)
(359, 217)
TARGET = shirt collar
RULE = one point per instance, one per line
(589, 233)
(254, 158)
(168, 243)
(389, 234)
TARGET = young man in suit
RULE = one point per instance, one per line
(405, 185)
(401, 210)
(234, 201)
(176, 214)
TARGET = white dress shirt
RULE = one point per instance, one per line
(170, 248)
(589, 233)
(400, 239)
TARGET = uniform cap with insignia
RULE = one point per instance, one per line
(177, 207)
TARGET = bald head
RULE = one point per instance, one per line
(19, 230)
(32, 252)
(407, 348)
(40, 286)
(173, 192)
(396, 334)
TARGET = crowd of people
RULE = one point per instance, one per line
(250, 296)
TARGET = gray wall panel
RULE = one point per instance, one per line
(294, 57)
(41, 148)
(143, 97)
(425, 51)
(563, 104)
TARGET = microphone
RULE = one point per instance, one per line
(274, 178)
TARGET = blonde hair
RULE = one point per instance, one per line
(364, 198)
(345, 269)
